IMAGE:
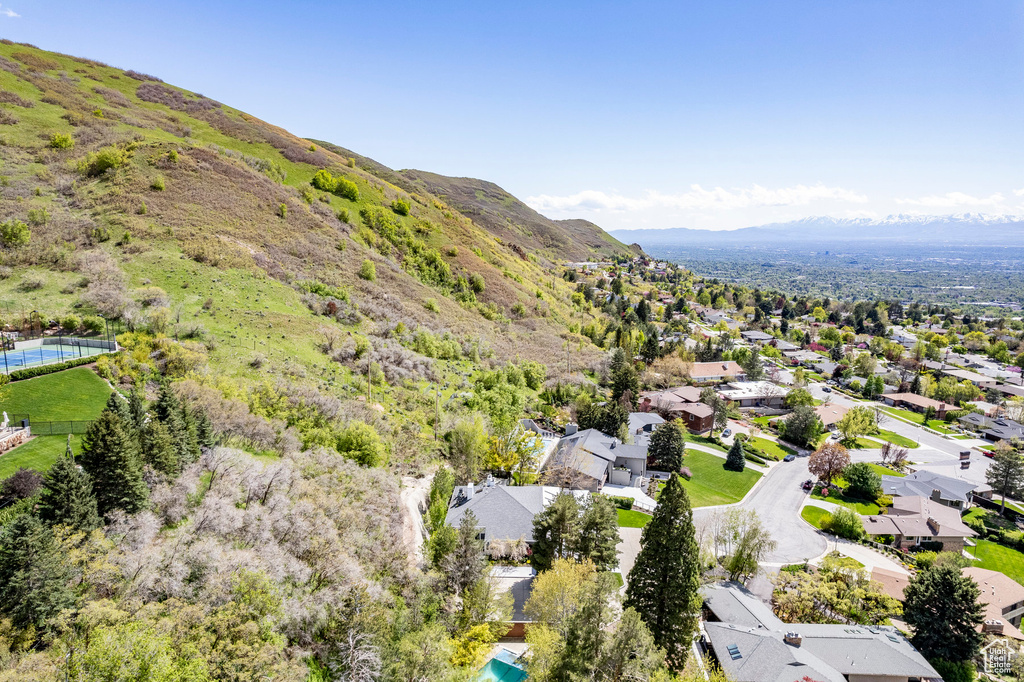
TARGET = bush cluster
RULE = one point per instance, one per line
(342, 187)
(32, 372)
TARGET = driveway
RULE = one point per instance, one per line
(629, 547)
(777, 499)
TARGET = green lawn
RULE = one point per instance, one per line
(995, 557)
(812, 515)
(865, 507)
(883, 471)
(896, 439)
(618, 579)
(39, 453)
(632, 519)
(74, 394)
(712, 484)
(917, 418)
(703, 440)
(861, 444)
(771, 448)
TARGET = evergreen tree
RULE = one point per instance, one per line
(119, 406)
(752, 365)
(915, 385)
(625, 381)
(554, 531)
(111, 458)
(611, 418)
(941, 605)
(158, 449)
(169, 410)
(465, 563)
(67, 497)
(191, 443)
(204, 429)
(735, 461)
(665, 581)
(651, 350)
(166, 403)
(617, 361)
(137, 407)
(33, 575)
(667, 447)
(599, 534)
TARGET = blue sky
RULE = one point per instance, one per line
(677, 114)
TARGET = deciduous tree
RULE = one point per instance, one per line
(828, 461)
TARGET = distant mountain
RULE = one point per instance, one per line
(974, 229)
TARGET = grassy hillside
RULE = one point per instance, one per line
(178, 214)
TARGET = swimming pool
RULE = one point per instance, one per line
(502, 668)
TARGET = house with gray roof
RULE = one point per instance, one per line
(502, 512)
(994, 429)
(752, 645)
(952, 492)
(756, 336)
(593, 459)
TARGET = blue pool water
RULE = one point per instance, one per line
(502, 668)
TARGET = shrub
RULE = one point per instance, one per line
(143, 209)
(360, 442)
(31, 284)
(519, 310)
(400, 206)
(862, 481)
(172, 156)
(343, 215)
(62, 141)
(98, 163)
(843, 522)
(307, 195)
(282, 210)
(14, 233)
(70, 323)
(32, 372)
(93, 324)
(621, 502)
(347, 189)
(38, 216)
(925, 560)
(477, 283)
(368, 270)
(158, 184)
(955, 671)
(431, 305)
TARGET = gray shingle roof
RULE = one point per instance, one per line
(502, 512)
(922, 483)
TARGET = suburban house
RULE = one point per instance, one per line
(717, 372)
(917, 403)
(754, 394)
(892, 583)
(698, 417)
(952, 492)
(1003, 600)
(591, 459)
(916, 520)
(755, 336)
(994, 429)
(979, 380)
(713, 318)
(830, 414)
(751, 644)
(642, 424)
(904, 338)
(804, 357)
(825, 368)
(783, 346)
(669, 400)
(503, 513)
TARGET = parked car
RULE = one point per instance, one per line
(789, 458)
(726, 433)
(826, 389)
(808, 484)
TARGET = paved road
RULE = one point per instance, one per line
(777, 500)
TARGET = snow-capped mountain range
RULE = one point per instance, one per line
(956, 229)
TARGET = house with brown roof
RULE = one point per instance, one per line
(717, 372)
(917, 403)
(1003, 601)
(830, 414)
(669, 401)
(698, 417)
(913, 521)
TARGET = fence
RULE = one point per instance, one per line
(49, 428)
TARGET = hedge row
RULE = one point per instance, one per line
(751, 457)
(621, 502)
(31, 372)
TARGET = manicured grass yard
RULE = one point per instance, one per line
(862, 444)
(895, 439)
(918, 418)
(883, 471)
(703, 440)
(74, 394)
(865, 507)
(771, 448)
(712, 484)
(812, 515)
(39, 454)
(632, 519)
(995, 557)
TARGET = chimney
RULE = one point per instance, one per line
(933, 524)
(993, 626)
(571, 429)
(793, 639)
(470, 489)
(937, 495)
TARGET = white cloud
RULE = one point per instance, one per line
(954, 200)
(8, 12)
(1019, 192)
(697, 198)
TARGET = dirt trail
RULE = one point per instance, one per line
(414, 503)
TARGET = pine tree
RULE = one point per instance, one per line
(667, 447)
(735, 461)
(665, 581)
(67, 497)
(554, 531)
(599, 534)
(168, 409)
(626, 382)
(465, 564)
(111, 458)
(915, 385)
(192, 451)
(33, 575)
(119, 406)
(941, 605)
(137, 407)
(204, 429)
(166, 403)
(158, 449)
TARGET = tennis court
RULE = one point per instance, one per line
(13, 360)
